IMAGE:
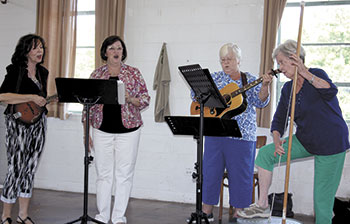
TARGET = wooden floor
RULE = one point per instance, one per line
(56, 207)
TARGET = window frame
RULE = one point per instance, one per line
(280, 83)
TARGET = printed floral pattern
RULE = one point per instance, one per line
(246, 120)
(136, 87)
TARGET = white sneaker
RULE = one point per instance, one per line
(254, 211)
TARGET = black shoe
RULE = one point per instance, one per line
(210, 218)
(8, 220)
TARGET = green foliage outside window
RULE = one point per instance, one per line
(326, 40)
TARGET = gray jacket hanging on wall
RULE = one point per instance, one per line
(161, 83)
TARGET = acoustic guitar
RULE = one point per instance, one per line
(30, 112)
(232, 94)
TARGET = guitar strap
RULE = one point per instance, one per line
(244, 83)
(19, 80)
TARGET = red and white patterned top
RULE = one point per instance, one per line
(136, 87)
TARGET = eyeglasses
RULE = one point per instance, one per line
(223, 60)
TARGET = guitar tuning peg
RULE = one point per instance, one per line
(275, 72)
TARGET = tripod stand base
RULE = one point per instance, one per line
(198, 218)
(85, 220)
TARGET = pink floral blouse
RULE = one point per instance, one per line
(136, 87)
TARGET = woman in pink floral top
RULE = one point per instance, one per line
(116, 132)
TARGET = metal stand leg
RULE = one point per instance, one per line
(85, 217)
(199, 215)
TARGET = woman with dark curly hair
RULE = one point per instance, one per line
(25, 81)
(116, 132)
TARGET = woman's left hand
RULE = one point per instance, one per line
(267, 79)
(127, 97)
(264, 91)
(132, 100)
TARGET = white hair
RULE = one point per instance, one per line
(287, 48)
(226, 48)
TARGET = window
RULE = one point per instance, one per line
(85, 50)
(326, 40)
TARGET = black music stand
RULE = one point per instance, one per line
(87, 92)
(188, 125)
(207, 94)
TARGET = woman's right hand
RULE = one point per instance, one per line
(91, 144)
(279, 147)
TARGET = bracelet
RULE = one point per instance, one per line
(312, 79)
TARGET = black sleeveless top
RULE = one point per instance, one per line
(112, 119)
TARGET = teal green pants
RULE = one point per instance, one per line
(328, 171)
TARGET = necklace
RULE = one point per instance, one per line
(114, 70)
(31, 75)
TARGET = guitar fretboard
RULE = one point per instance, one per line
(246, 87)
(51, 98)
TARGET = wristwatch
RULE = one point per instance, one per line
(312, 79)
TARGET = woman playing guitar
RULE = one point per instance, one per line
(235, 154)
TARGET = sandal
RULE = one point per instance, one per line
(8, 220)
(23, 221)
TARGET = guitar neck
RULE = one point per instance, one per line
(51, 98)
(246, 87)
(254, 83)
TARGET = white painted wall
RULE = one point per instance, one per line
(194, 31)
